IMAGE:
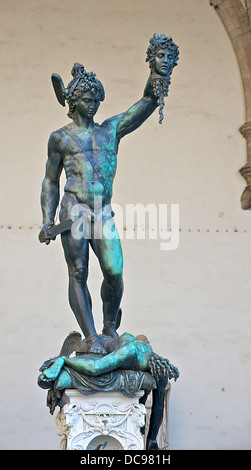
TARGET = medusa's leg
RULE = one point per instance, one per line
(64, 380)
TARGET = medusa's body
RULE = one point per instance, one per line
(127, 353)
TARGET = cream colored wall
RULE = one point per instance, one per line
(193, 302)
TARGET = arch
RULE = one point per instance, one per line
(236, 17)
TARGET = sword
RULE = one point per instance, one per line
(54, 230)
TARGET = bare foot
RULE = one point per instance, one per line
(95, 347)
(54, 370)
(109, 329)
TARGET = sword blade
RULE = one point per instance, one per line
(60, 228)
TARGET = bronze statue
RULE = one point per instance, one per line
(126, 352)
(130, 365)
(87, 151)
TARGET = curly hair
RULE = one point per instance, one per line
(160, 366)
(161, 42)
(161, 84)
(82, 82)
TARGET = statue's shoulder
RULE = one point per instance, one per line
(112, 121)
(126, 338)
(58, 134)
(56, 138)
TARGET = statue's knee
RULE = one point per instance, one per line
(114, 278)
(80, 273)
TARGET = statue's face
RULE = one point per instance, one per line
(87, 105)
(164, 62)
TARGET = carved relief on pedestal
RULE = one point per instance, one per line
(114, 422)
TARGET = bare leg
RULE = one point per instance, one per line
(77, 257)
(109, 253)
(125, 357)
(64, 380)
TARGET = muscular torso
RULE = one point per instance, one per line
(101, 145)
(99, 141)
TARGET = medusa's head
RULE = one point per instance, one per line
(162, 54)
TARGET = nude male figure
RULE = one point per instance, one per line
(83, 184)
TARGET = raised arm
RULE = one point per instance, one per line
(50, 184)
(138, 113)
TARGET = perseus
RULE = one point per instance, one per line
(87, 151)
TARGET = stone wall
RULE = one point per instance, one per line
(191, 302)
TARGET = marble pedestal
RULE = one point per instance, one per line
(103, 419)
